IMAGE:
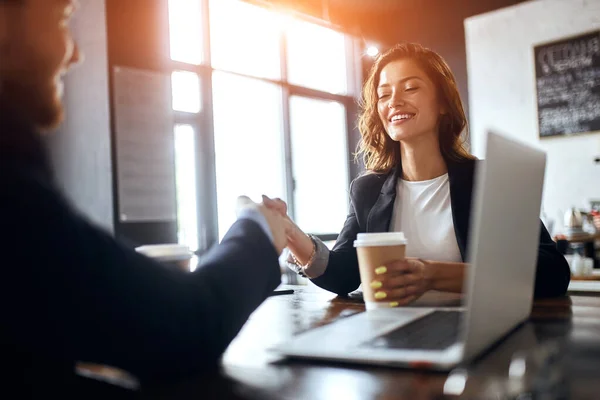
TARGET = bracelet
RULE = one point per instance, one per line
(311, 259)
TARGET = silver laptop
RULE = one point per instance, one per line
(504, 237)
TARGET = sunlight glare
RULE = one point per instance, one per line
(245, 38)
(185, 28)
(317, 57)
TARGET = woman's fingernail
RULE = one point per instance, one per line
(380, 295)
(376, 284)
(394, 304)
(380, 270)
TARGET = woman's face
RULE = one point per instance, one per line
(407, 101)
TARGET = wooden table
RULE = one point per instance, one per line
(250, 371)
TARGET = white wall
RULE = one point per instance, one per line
(80, 149)
(502, 92)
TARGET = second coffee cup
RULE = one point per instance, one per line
(172, 255)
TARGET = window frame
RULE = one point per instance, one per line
(203, 124)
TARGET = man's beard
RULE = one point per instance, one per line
(34, 101)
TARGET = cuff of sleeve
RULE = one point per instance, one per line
(317, 267)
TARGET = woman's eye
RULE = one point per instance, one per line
(411, 89)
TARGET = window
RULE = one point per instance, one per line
(266, 130)
(245, 39)
(186, 91)
(248, 142)
(185, 31)
(319, 132)
(316, 57)
(185, 180)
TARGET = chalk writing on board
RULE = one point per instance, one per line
(144, 146)
(568, 85)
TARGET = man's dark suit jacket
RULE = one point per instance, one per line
(372, 199)
(69, 292)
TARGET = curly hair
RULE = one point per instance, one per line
(379, 152)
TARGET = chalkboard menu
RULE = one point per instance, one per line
(568, 85)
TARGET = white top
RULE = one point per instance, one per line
(422, 211)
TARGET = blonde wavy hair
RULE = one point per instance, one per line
(379, 152)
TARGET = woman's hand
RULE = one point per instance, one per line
(276, 204)
(301, 246)
(402, 282)
(280, 207)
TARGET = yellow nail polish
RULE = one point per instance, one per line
(394, 304)
(376, 284)
(380, 270)
(380, 295)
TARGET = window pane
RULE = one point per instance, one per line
(316, 57)
(318, 131)
(185, 179)
(186, 91)
(248, 142)
(185, 29)
(245, 38)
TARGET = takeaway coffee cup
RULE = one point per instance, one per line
(172, 255)
(375, 250)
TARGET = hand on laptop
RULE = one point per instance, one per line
(404, 281)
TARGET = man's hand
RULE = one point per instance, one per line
(277, 223)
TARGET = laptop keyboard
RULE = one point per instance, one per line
(435, 331)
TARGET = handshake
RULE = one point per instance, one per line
(282, 227)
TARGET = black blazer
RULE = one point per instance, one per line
(372, 199)
(71, 292)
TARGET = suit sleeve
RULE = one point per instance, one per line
(70, 291)
(341, 275)
(552, 274)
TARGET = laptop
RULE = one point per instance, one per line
(499, 284)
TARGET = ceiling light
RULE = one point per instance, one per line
(372, 51)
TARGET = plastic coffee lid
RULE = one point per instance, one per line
(172, 252)
(380, 239)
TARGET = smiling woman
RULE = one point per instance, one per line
(400, 80)
(419, 181)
